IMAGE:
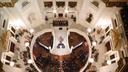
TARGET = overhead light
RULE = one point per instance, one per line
(12, 64)
(17, 27)
(66, 11)
(94, 43)
(49, 47)
(30, 61)
(89, 30)
(91, 60)
(54, 11)
(26, 44)
(72, 47)
(31, 30)
(108, 62)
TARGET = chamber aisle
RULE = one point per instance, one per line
(60, 44)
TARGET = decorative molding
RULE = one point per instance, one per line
(7, 3)
(4, 40)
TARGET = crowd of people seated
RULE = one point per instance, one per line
(73, 62)
(46, 39)
(74, 39)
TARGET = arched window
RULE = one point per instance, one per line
(48, 4)
(72, 4)
(95, 3)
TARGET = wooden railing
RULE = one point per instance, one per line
(122, 65)
(118, 3)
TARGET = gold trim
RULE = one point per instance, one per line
(8, 4)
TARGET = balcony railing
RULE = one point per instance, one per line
(118, 3)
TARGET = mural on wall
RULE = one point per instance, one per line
(4, 40)
(116, 36)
